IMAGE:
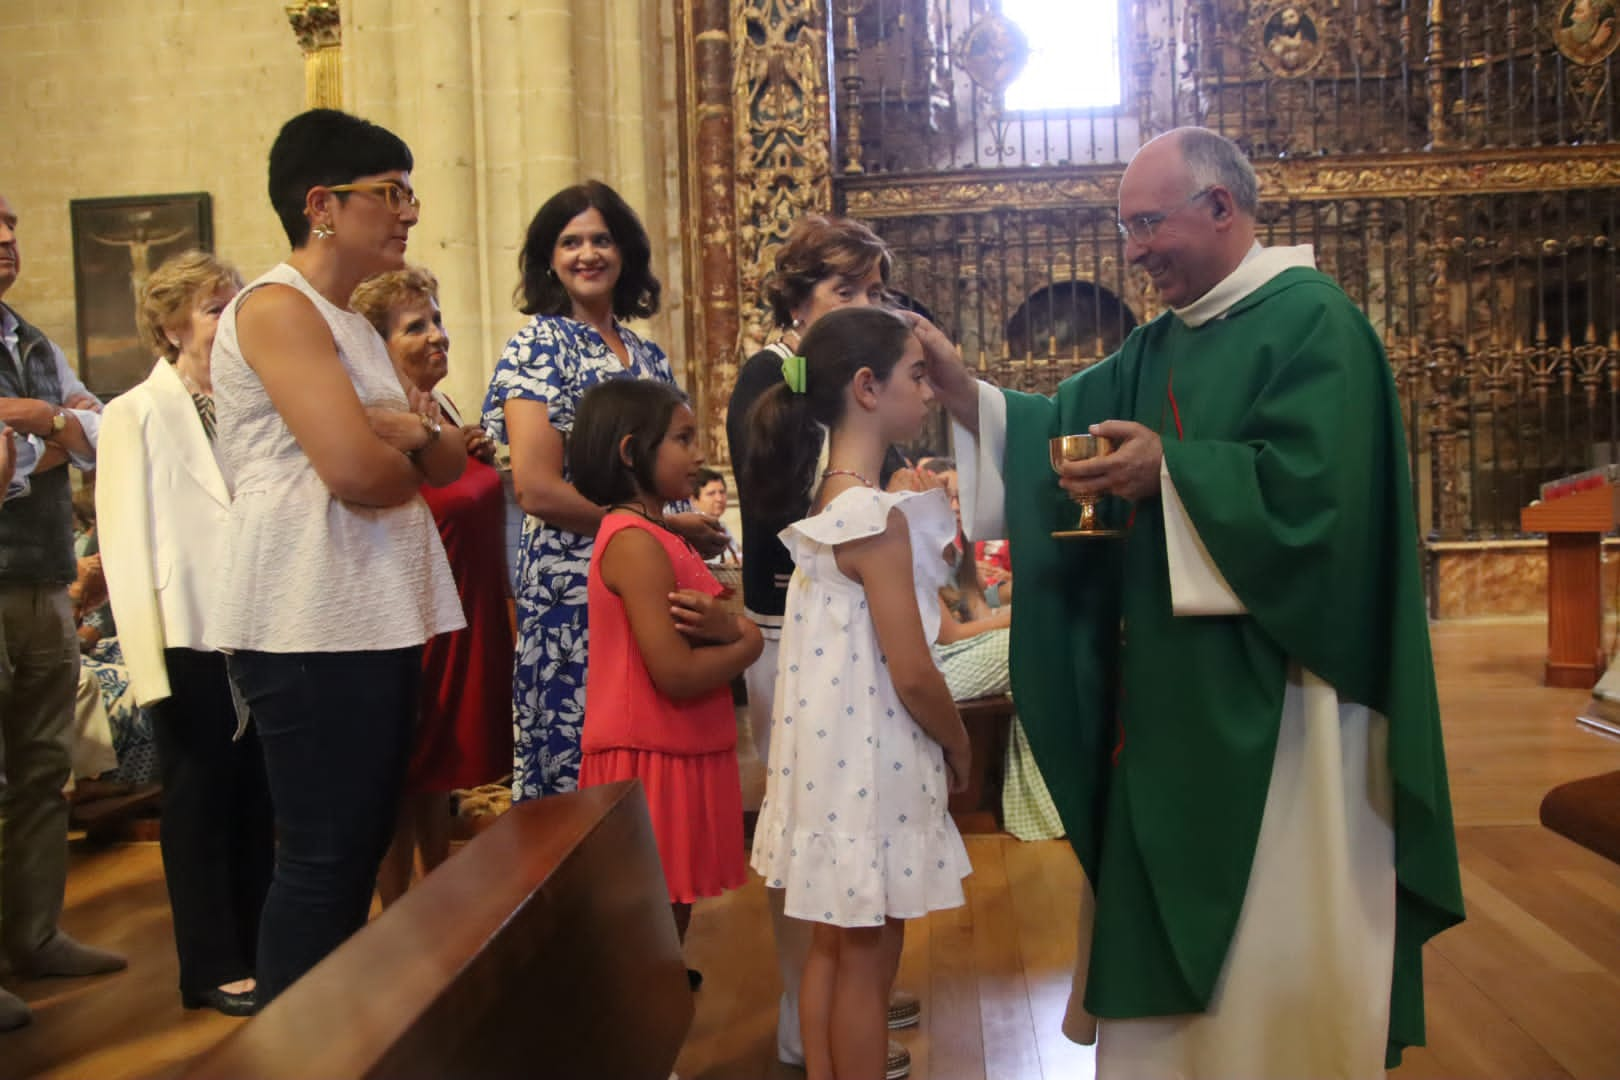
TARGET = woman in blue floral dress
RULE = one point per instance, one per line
(586, 265)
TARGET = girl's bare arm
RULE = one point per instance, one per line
(636, 568)
(882, 564)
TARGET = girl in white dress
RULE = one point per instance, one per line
(854, 826)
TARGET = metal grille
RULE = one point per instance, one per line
(1493, 287)
(921, 89)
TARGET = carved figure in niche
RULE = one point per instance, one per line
(1290, 43)
(1586, 30)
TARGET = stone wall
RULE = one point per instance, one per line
(139, 98)
(502, 101)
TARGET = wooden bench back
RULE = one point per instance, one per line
(544, 948)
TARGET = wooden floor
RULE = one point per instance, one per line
(1528, 987)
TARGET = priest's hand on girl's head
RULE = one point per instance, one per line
(1130, 471)
(957, 389)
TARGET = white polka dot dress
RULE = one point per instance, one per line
(854, 824)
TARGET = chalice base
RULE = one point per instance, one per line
(1086, 534)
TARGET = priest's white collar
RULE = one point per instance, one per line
(1259, 266)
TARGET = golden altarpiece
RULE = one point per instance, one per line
(1455, 163)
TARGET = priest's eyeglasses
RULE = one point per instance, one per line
(397, 196)
(1142, 227)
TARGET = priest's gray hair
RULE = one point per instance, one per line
(1214, 160)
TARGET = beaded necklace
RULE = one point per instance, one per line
(850, 473)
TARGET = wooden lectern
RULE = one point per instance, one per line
(1574, 525)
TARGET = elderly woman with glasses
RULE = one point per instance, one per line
(464, 733)
(332, 573)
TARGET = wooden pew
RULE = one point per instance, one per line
(544, 948)
(989, 727)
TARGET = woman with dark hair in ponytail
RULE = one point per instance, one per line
(825, 264)
(853, 830)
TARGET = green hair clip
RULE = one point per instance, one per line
(793, 374)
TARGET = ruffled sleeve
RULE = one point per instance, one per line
(862, 512)
(854, 515)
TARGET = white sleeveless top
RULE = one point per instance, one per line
(302, 570)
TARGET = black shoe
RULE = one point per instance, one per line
(695, 977)
(245, 1003)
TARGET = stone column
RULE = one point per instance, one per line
(319, 28)
(503, 103)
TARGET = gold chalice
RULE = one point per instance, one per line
(1081, 448)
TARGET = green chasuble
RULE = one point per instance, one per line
(1156, 733)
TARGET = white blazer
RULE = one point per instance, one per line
(162, 509)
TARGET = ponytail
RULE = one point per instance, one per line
(784, 444)
(785, 428)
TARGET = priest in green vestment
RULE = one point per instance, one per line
(1233, 703)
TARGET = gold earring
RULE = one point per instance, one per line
(323, 232)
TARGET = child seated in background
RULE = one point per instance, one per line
(113, 738)
(972, 653)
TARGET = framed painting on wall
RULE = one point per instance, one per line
(117, 243)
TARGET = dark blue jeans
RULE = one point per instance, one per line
(336, 730)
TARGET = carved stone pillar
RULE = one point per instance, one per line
(710, 200)
(783, 138)
(319, 28)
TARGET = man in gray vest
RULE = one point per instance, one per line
(41, 400)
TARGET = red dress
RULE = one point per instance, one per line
(464, 734)
(683, 752)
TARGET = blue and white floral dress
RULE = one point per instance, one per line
(554, 360)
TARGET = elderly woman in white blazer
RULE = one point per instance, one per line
(162, 509)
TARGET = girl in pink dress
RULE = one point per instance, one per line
(664, 651)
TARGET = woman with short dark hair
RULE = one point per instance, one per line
(585, 265)
(332, 574)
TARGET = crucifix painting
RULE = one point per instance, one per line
(117, 243)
